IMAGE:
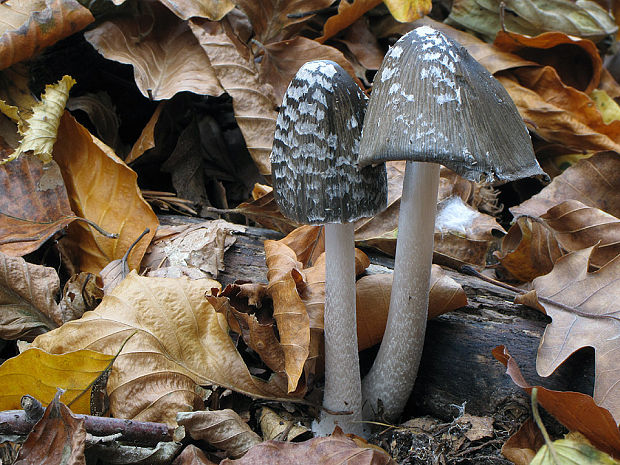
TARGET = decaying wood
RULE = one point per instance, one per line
(457, 365)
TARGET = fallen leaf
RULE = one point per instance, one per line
(276, 20)
(81, 293)
(329, 450)
(223, 429)
(581, 19)
(27, 293)
(163, 51)
(42, 125)
(29, 26)
(529, 249)
(284, 428)
(112, 201)
(34, 205)
(284, 274)
(373, 302)
(283, 59)
(578, 226)
(575, 410)
(40, 374)
(348, 13)
(592, 181)
(609, 109)
(58, 437)
(582, 307)
(407, 11)
(569, 451)
(209, 9)
(191, 455)
(180, 342)
(522, 446)
(254, 104)
(146, 141)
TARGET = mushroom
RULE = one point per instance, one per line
(317, 180)
(432, 104)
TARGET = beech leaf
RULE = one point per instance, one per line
(180, 342)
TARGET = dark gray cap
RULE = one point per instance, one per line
(432, 102)
(314, 165)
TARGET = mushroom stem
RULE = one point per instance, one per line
(343, 390)
(390, 381)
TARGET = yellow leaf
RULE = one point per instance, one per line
(571, 452)
(43, 124)
(407, 11)
(610, 111)
(39, 374)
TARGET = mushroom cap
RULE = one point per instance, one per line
(314, 165)
(432, 102)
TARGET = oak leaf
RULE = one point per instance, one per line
(583, 307)
(179, 343)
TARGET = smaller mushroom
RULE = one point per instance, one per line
(316, 180)
(432, 104)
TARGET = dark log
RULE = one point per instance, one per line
(457, 365)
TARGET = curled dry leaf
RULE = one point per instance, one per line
(163, 51)
(289, 311)
(191, 455)
(521, 447)
(584, 308)
(283, 428)
(329, 450)
(529, 249)
(575, 410)
(34, 205)
(82, 293)
(113, 201)
(348, 13)
(146, 141)
(30, 26)
(58, 437)
(27, 293)
(593, 181)
(209, 9)
(156, 374)
(373, 302)
(407, 11)
(41, 374)
(254, 104)
(42, 124)
(578, 226)
(223, 429)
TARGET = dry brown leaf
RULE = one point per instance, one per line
(223, 429)
(276, 20)
(191, 455)
(275, 426)
(29, 26)
(82, 293)
(163, 51)
(34, 205)
(209, 9)
(329, 450)
(103, 189)
(529, 249)
(373, 302)
(578, 226)
(178, 341)
(58, 437)
(308, 242)
(575, 410)
(283, 59)
(284, 275)
(348, 13)
(254, 104)
(264, 210)
(27, 293)
(363, 44)
(584, 308)
(146, 141)
(522, 446)
(593, 181)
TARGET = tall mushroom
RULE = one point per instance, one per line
(317, 180)
(431, 104)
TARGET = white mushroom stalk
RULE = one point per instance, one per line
(317, 180)
(431, 104)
